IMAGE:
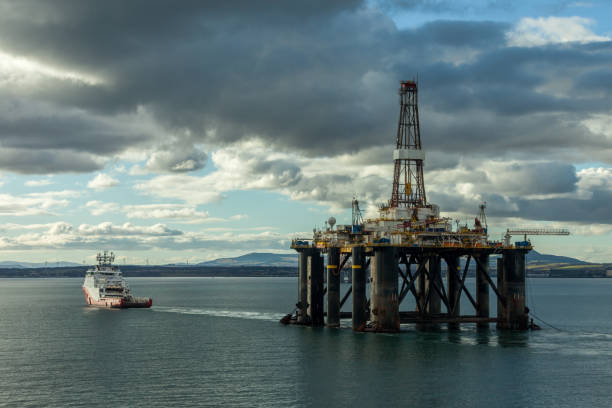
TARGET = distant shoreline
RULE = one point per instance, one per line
(154, 271)
(149, 271)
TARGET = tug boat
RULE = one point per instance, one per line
(104, 286)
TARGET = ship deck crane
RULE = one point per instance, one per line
(533, 231)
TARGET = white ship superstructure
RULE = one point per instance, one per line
(105, 286)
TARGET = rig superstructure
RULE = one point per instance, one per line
(409, 240)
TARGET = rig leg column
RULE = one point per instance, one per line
(433, 267)
(359, 288)
(500, 289)
(515, 315)
(333, 287)
(315, 288)
(302, 304)
(482, 288)
(420, 285)
(453, 288)
(384, 298)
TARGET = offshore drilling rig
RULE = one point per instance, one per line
(411, 241)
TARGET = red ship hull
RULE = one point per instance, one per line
(117, 302)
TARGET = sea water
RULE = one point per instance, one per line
(217, 342)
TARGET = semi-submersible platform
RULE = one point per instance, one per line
(410, 241)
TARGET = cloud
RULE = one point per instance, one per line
(241, 167)
(318, 85)
(26, 71)
(168, 211)
(108, 228)
(17, 227)
(176, 158)
(62, 235)
(535, 32)
(175, 212)
(102, 181)
(98, 207)
(252, 165)
(534, 191)
(299, 99)
(38, 183)
(34, 203)
(46, 161)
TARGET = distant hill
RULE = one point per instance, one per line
(270, 259)
(265, 259)
(255, 259)
(33, 265)
(534, 257)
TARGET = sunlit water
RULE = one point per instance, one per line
(217, 342)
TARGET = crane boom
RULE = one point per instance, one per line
(533, 231)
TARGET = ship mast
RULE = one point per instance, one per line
(105, 259)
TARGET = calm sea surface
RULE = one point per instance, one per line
(217, 342)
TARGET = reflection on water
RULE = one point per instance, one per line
(512, 338)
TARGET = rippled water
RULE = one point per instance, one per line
(217, 342)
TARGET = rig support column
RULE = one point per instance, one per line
(500, 289)
(482, 288)
(302, 304)
(315, 288)
(384, 298)
(433, 268)
(420, 285)
(515, 314)
(359, 288)
(453, 288)
(333, 287)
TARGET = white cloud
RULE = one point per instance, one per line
(55, 194)
(239, 217)
(534, 32)
(38, 183)
(18, 227)
(98, 207)
(21, 70)
(168, 211)
(254, 165)
(177, 212)
(127, 236)
(102, 181)
(127, 229)
(34, 203)
(599, 178)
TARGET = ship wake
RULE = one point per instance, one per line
(236, 314)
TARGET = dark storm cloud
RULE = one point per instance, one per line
(315, 77)
(444, 6)
(593, 210)
(75, 132)
(535, 191)
(40, 161)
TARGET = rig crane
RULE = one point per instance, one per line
(533, 231)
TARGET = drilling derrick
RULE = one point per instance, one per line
(408, 184)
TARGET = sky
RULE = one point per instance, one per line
(187, 131)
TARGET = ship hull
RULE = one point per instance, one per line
(117, 302)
